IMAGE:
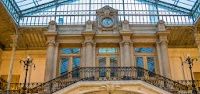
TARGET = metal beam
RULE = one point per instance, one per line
(45, 6)
(168, 5)
(196, 5)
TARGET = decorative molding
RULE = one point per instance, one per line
(110, 87)
(107, 12)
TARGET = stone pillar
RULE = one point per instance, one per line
(160, 69)
(89, 52)
(126, 44)
(51, 47)
(55, 64)
(163, 47)
(12, 60)
(88, 45)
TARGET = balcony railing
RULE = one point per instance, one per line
(108, 74)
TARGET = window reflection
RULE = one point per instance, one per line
(64, 65)
(70, 50)
(140, 63)
(76, 65)
(151, 65)
(144, 50)
(107, 50)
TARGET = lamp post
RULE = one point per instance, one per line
(27, 63)
(189, 61)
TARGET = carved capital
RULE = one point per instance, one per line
(51, 43)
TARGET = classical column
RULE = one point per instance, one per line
(51, 47)
(89, 45)
(126, 44)
(127, 57)
(160, 69)
(12, 60)
(55, 64)
(163, 47)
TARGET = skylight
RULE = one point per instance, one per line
(25, 4)
(181, 3)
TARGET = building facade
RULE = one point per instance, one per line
(105, 55)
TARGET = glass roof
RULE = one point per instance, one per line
(181, 3)
(25, 4)
(69, 12)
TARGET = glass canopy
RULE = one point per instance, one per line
(71, 12)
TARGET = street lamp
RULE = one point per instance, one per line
(189, 61)
(27, 63)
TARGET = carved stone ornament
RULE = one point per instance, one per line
(88, 26)
(107, 11)
(161, 26)
(107, 19)
(125, 26)
(110, 87)
(52, 26)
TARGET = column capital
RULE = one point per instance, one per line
(51, 43)
(162, 36)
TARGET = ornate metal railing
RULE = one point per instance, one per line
(2, 84)
(108, 74)
(16, 88)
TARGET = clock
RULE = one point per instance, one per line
(107, 22)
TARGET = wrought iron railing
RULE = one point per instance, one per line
(108, 74)
(15, 88)
(2, 84)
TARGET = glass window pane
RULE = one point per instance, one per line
(76, 62)
(70, 50)
(76, 65)
(151, 64)
(144, 50)
(113, 63)
(64, 65)
(139, 63)
(102, 64)
(107, 50)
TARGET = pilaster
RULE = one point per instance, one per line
(89, 48)
(12, 60)
(50, 70)
(162, 48)
(126, 44)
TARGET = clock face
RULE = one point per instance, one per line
(107, 22)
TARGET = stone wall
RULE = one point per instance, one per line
(39, 59)
(179, 71)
